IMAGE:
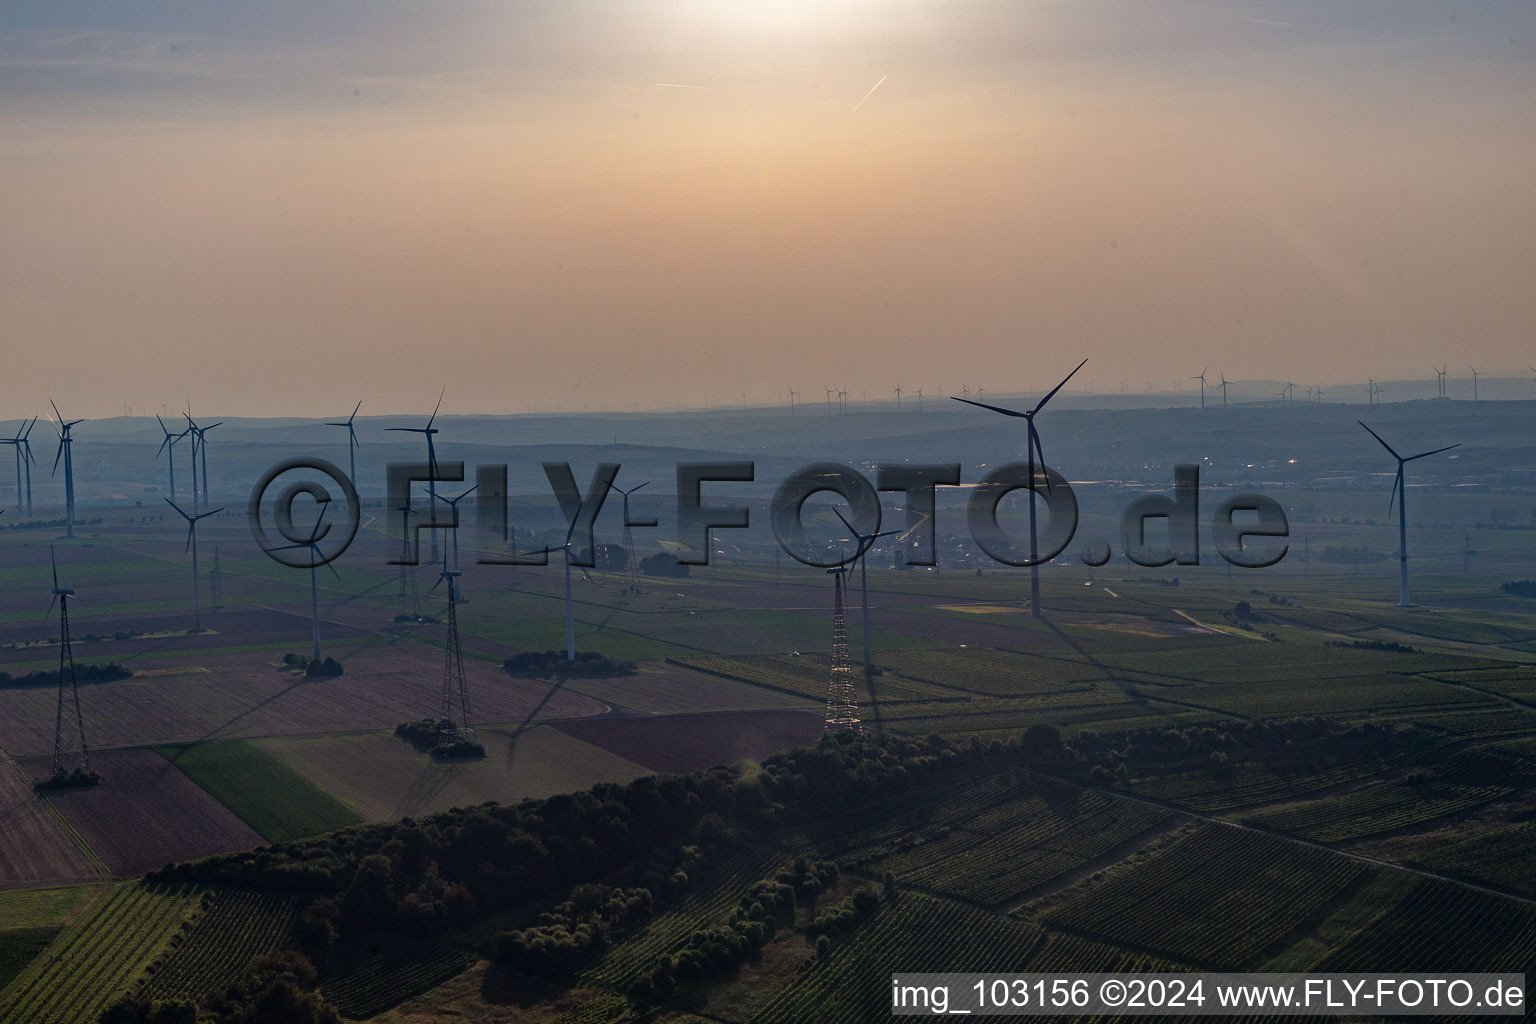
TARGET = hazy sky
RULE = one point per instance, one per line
(282, 207)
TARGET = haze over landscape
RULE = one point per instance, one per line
(605, 205)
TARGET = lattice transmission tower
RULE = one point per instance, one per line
(455, 685)
(842, 698)
(69, 718)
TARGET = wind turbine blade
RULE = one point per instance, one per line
(51, 602)
(847, 524)
(1378, 437)
(354, 412)
(53, 561)
(1396, 483)
(994, 408)
(56, 413)
(191, 527)
(1437, 451)
(353, 434)
(1034, 439)
(205, 515)
(318, 520)
(572, 530)
(57, 456)
(1058, 387)
(438, 406)
(178, 508)
(585, 576)
(455, 501)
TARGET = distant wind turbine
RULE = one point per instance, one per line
(1201, 378)
(66, 444)
(1475, 375)
(1401, 488)
(428, 431)
(169, 447)
(1224, 383)
(197, 608)
(352, 444)
(864, 542)
(315, 560)
(24, 461)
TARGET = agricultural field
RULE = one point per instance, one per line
(381, 778)
(684, 743)
(231, 696)
(1220, 898)
(38, 848)
(213, 746)
(146, 814)
(267, 795)
(98, 955)
(228, 930)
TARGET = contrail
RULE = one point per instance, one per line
(675, 85)
(867, 95)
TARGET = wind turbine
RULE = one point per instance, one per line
(62, 428)
(919, 399)
(314, 563)
(897, 389)
(168, 446)
(631, 558)
(453, 503)
(1032, 445)
(24, 461)
(865, 542)
(1201, 378)
(1402, 511)
(1475, 375)
(200, 446)
(352, 444)
(842, 399)
(1439, 379)
(1370, 391)
(1224, 383)
(197, 608)
(428, 431)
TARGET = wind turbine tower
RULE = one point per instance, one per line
(66, 443)
(1400, 491)
(428, 431)
(1201, 378)
(315, 560)
(197, 608)
(453, 503)
(1036, 469)
(24, 461)
(1224, 383)
(169, 447)
(1475, 375)
(352, 444)
(865, 542)
(631, 557)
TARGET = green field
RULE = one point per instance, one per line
(265, 793)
